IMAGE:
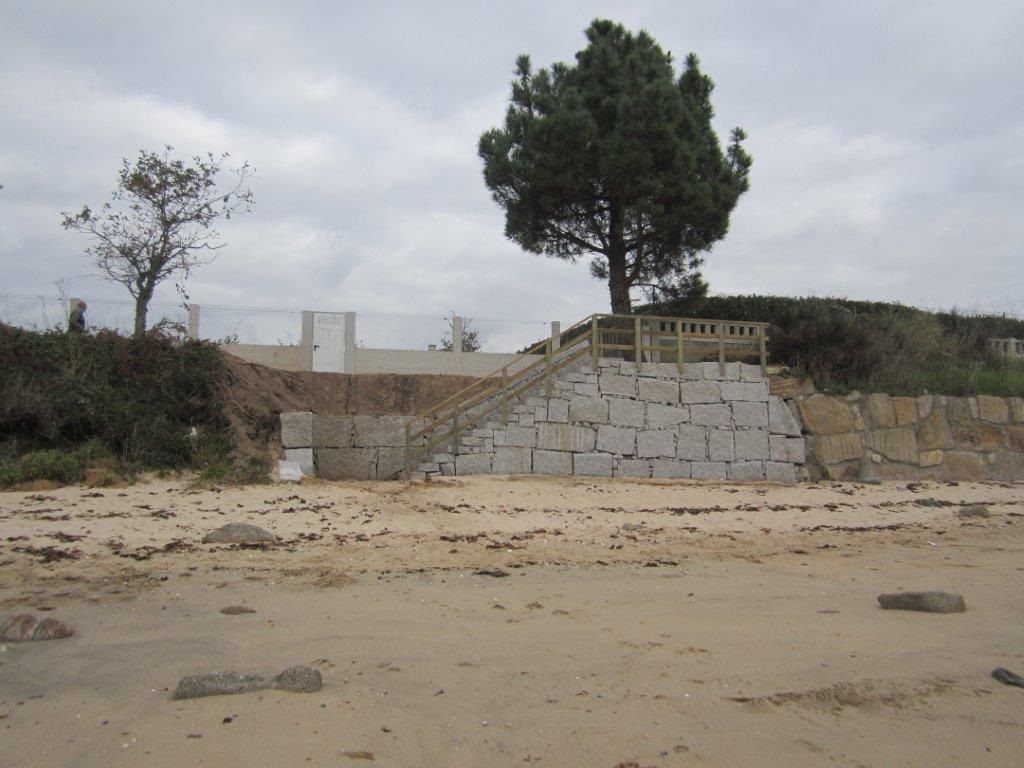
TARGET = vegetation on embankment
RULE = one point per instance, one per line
(69, 403)
(843, 345)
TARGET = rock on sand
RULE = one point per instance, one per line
(297, 679)
(26, 627)
(238, 533)
(236, 610)
(929, 602)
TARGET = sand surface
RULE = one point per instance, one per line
(641, 624)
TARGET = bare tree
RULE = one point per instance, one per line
(160, 221)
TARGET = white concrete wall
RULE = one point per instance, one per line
(436, 362)
(285, 358)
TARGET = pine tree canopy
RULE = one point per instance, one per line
(614, 159)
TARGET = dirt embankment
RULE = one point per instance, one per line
(256, 395)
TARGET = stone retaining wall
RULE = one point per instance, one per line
(613, 422)
(905, 438)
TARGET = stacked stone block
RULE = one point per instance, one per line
(620, 422)
(947, 438)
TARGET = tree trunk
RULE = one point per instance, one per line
(618, 285)
(141, 309)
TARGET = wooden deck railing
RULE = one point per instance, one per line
(632, 337)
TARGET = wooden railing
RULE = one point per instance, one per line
(631, 337)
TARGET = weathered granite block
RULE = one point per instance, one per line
(705, 470)
(924, 406)
(473, 464)
(377, 431)
(615, 384)
(780, 472)
(824, 415)
(905, 409)
(745, 414)
(670, 469)
(515, 436)
(692, 443)
(527, 419)
(701, 392)
(896, 444)
(993, 409)
(390, 461)
(632, 468)
(720, 445)
(787, 449)
(565, 437)
(711, 415)
(746, 470)
(621, 440)
(834, 449)
(552, 462)
(751, 372)
(880, 411)
(732, 372)
(962, 466)
(592, 464)
(303, 457)
(1017, 409)
(558, 410)
(658, 390)
(334, 431)
(755, 392)
(347, 463)
(751, 444)
(693, 371)
(655, 443)
(587, 389)
(930, 458)
(660, 370)
(660, 416)
(512, 461)
(933, 432)
(297, 429)
(626, 368)
(593, 410)
(781, 420)
(625, 413)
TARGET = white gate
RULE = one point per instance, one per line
(329, 342)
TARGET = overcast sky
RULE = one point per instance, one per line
(886, 139)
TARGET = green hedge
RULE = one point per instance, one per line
(138, 398)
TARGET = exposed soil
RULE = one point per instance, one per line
(256, 395)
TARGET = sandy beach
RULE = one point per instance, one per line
(640, 623)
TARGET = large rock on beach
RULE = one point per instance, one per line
(297, 679)
(27, 627)
(928, 602)
(239, 533)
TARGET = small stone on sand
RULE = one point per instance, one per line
(929, 602)
(495, 572)
(299, 679)
(974, 510)
(1006, 677)
(235, 610)
(238, 533)
(26, 627)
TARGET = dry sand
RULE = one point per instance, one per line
(642, 624)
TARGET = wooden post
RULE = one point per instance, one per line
(637, 341)
(547, 369)
(721, 349)
(408, 452)
(595, 343)
(455, 429)
(764, 353)
(680, 357)
(504, 395)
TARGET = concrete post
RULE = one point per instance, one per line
(306, 353)
(556, 335)
(349, 364)
(457, 342)
(193, 321)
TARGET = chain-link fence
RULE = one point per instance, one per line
(273, 326)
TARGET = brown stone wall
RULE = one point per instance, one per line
(945, 438)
